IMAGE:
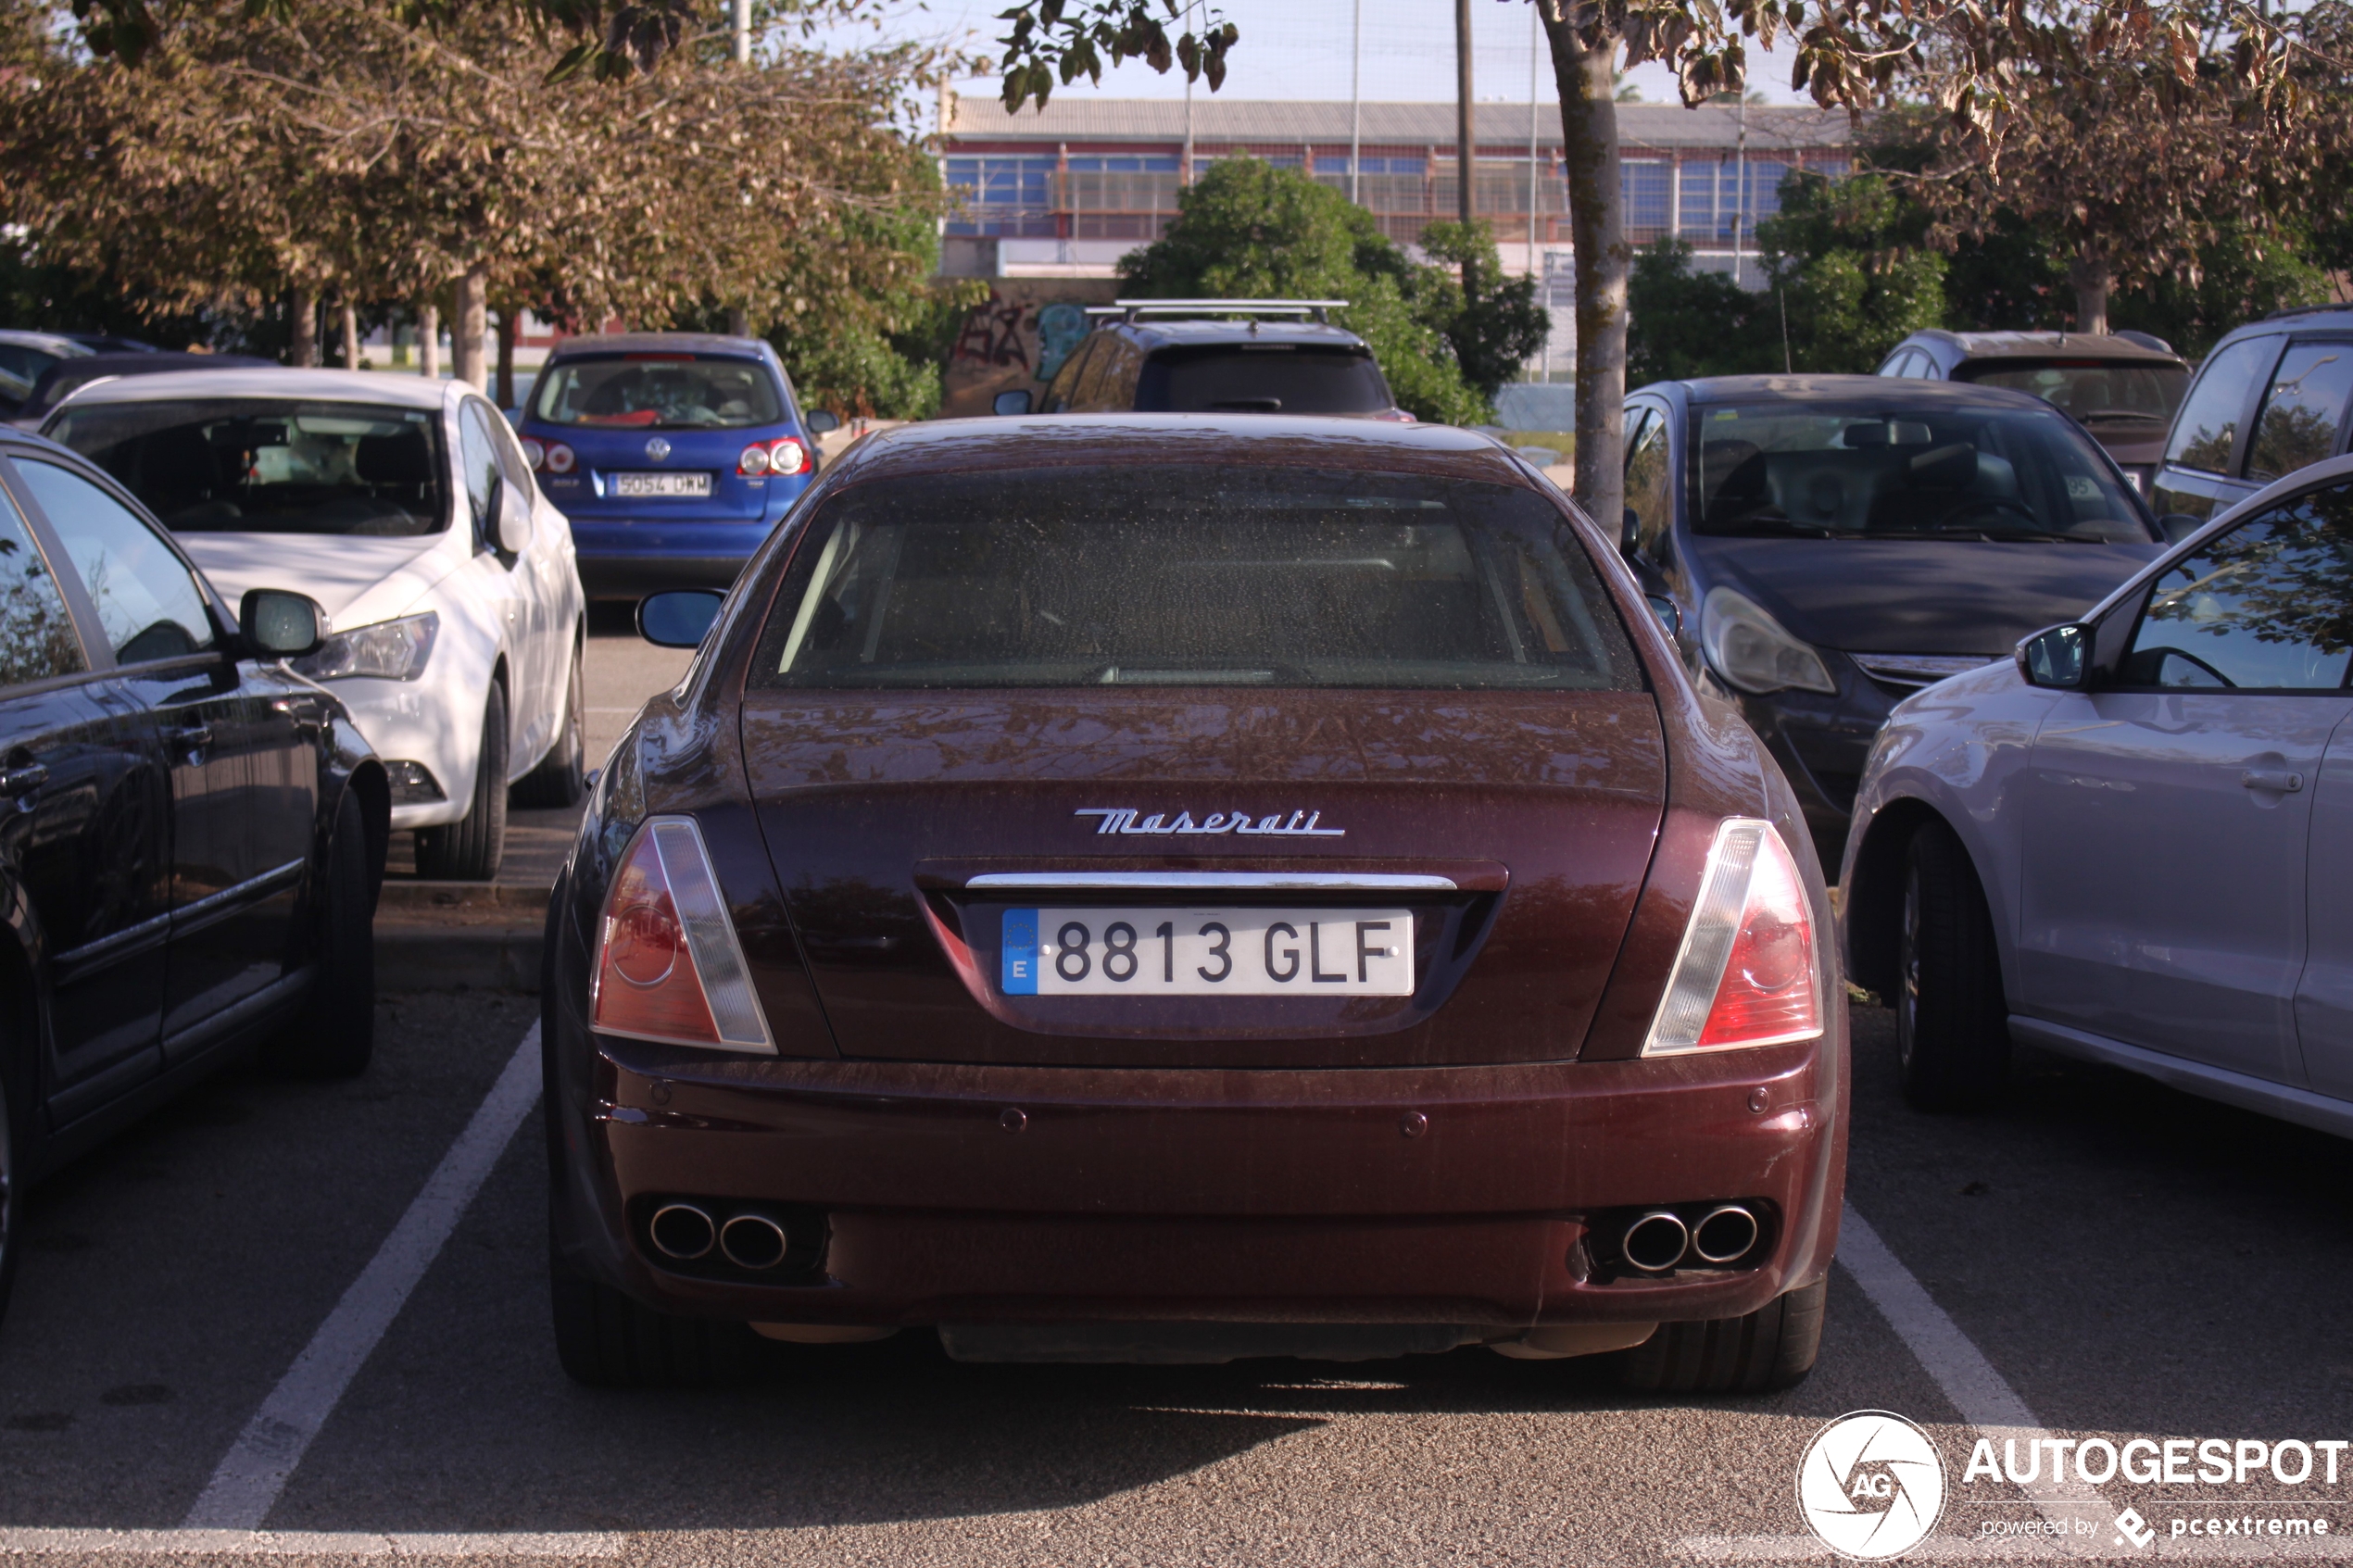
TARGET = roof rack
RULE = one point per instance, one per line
(1129, 309)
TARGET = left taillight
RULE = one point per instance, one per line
(1746, 973)
(667, 966)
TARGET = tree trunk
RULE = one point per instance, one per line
(429, 341)
(1465, 136)
(1597, 228)
(466, 335)
(350, 336)
(738, 321)
(302, 321)
(507, 333)
(2092, 278)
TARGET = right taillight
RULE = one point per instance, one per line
(754, 460)
(559, 457)
(668, 967)
(1746, 974)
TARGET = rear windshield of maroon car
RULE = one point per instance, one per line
(1178, 576)
(1261, 378)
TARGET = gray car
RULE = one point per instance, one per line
(2127, 844)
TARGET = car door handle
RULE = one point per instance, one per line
(2278, 779)
(16, 781)
(191, 737)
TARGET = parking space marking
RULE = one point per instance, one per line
(305, 1543)
(1983, 1395)
(247, 1483)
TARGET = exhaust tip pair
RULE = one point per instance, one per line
(1661, 1239)
(685, 1233)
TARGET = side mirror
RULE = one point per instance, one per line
(1669, 617)
(2056, 657)
(680, 618)
(2178, 526)
(276, 623)
(1629, 528)
(1010, 403)
(514, 521)
(819, 422)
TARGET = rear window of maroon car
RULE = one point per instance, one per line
(1152, 575)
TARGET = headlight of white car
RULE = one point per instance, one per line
(1753, 651)
(389, 650)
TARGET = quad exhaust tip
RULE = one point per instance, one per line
(1661, 1239)
(753, 1242)
(682, 1232)
(1656, 1242)
(1724, 1233)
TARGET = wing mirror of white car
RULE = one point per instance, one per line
(1010, 403)
(2056, 657)
(514, 521)
(275, 623)
(679, 619)
(818, 422)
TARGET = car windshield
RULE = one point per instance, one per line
(1153, 575)
(1904, 471)
(1270, 378)
(658, 391)
(2098, 392)
(271, 465)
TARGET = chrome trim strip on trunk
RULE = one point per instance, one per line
(1196, 881)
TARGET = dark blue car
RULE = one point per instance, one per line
(674, 454)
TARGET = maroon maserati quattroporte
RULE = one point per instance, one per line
(1174, 889)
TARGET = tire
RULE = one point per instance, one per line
(562, 777)
(469, 849)
(13, 1121)
(1952, 1021)
(1769, 1350)
(334, 1034)
(606, 1340)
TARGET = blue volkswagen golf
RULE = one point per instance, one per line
(674, 454)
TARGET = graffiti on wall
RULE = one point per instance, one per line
(1019, 337)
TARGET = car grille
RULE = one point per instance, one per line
(1904, 674)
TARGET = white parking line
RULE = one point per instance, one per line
(1985, 1401)
(247, 1483)
(303, 1543)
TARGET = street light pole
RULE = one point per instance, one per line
(1465, 149)
(742, 9)
(1356, 107)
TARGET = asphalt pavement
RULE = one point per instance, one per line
(2111, 1259)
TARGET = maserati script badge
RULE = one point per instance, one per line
(1298, 824)
(657, 449)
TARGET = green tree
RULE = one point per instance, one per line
(1846, 263)
(1500, 327)
(1681, 323)
(1247, 230)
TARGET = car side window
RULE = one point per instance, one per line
(478, 457)
(2268, 606)
(2302, 409)
(149, 606)
(37, 638)
(1093, 393)
(1061, 391)
(2207, 429)
(1650, 489)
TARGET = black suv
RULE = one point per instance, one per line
(2271, 398)
(1135, 360)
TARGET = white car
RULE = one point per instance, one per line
(2129, 845)
(406, 508)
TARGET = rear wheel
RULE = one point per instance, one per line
(1771, 1348)
(336, 1032)
(560, 779)
(1951, 1023)
(606, 1340)
(470, 849)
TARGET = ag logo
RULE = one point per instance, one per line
(1871, 1486)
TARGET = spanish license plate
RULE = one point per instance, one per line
(684, 485)
(1169, 952)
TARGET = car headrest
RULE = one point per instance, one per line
(404, 459)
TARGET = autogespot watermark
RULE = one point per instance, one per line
(1873, 1486)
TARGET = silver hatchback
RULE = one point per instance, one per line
(2130, 845)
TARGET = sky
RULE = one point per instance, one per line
(1301, 49)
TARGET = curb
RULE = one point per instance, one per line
(416, 957)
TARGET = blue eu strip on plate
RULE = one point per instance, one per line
(1020, 976)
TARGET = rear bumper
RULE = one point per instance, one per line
(622, 559)
(1147, 1194)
